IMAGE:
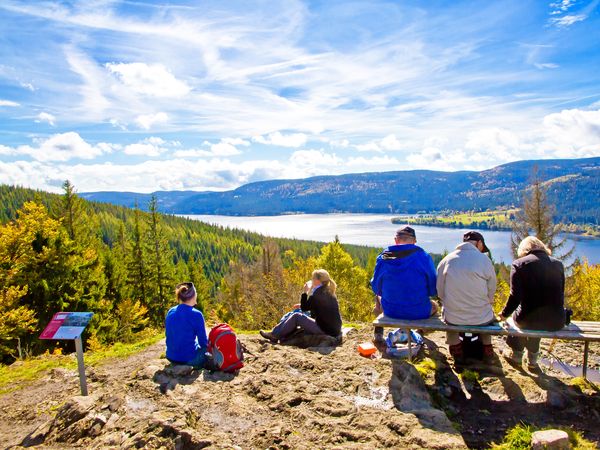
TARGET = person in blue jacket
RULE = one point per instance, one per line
(404, 280)
(185, 329)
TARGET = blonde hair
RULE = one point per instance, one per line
(323, 276)
(529, 244)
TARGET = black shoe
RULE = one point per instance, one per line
(268, 335)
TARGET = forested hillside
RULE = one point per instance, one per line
(573, 187)
(64, 253)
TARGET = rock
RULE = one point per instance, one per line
(550, 440)
(180, 370)
(557, 400)
(147, 373)
(38, 436)
(75, 409)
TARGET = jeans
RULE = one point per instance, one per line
(197, 362)
(293, 321)
(519, 343)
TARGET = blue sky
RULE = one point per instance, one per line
(145, 96)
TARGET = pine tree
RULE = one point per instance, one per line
(137, 272)
(160, 263)
(70, 208)
(195, 274)
(536, 218)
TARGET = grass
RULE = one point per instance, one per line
(13, 377)
(425, 367)
(519, 438)
(470, 376)
(582, 384)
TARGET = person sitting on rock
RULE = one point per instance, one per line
(466, 283)
(536, 300)
(318, 298)
(185, 330)
(404, 280)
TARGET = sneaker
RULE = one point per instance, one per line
(513, 357)
(489, 357)
(378, 336)
(532, 361)
(457, 353)
(269, 335)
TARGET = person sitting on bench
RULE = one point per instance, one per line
(318, 298)
(466, 283)
(185, 330)
(536, 300)
(403, 281)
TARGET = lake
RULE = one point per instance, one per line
(376, 230)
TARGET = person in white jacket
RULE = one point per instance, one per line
(466, 283)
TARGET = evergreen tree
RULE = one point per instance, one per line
(195, 274)
(70, 208)
(160, 263)
(137, 272)
(536, 218)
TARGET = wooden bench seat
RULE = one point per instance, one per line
(585, 331)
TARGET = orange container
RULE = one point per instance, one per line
(366, 349)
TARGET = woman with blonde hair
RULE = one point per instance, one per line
(318, 298)
(536, 300)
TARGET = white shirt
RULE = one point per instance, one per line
(466, 283)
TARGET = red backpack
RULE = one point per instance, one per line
(225, 348)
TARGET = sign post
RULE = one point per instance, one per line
(69, 326)
(81, 366)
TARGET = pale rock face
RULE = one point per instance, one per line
(550, 440)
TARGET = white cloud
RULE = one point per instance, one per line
(368, 147)
(46, 117)
(546, 65)
(293, 140)
(568, 20)
(154, 80)
(62, 147)
(147, 121)
(8, 103)
(571, 133)
(225, 147)
(315, 161)
(389, 142)
(562, 6)
(151, 146)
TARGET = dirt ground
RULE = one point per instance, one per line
(292, 398)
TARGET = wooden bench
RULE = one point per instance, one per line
(575, 331)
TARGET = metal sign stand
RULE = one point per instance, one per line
(69, 326)
(81, 366)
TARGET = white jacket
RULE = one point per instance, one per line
(466, 283)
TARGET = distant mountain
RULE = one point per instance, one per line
(573, 186)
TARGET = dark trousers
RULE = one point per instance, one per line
(294, 321)
(519, 343)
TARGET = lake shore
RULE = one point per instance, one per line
(377, 230)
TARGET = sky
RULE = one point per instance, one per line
(208, 95)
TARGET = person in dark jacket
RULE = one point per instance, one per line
(318, 298)
(185, 330)
(536, 300)
(404, 280)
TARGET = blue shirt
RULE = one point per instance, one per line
(405, 279)
(185, 331)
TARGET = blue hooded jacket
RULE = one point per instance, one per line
(405, 278)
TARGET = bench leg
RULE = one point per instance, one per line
(586, 348)
(410, 345)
